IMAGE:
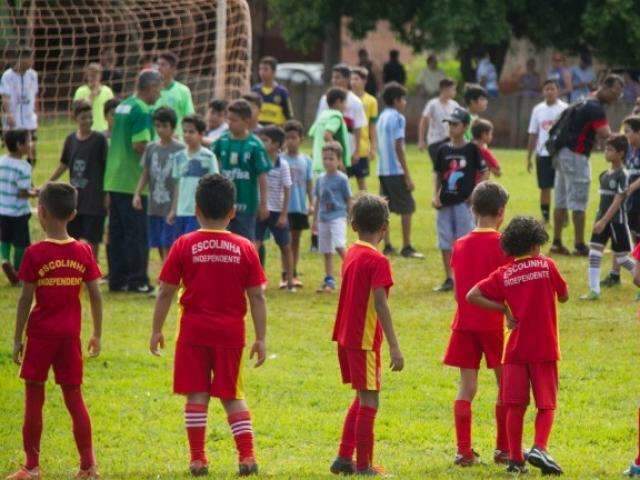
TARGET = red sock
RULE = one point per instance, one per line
(81, 424)
(32, 427)
(242, 430)
(638, 458)
(544, 423)
(462, 414)
(364, 436)
(348, 441)
(515, 423)
(502, 442)
(195, 421)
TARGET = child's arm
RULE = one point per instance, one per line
(96, 312)
(258, 304)
(284, 218)
(22, 315)
(475, 297)
(142, 182)
(263, 212)
(27, 193)
(600, 225)
(634, 186)
(531, 146)
(399, 146)
(310, 195)
(163, 304)
(373, 141)
(60, 169)
(328, 136)
(171, 217)
(384, 314)
(422, 132)
(436, 191)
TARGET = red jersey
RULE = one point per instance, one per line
(357, 325)
(473, 258)
(58, 269)
(214, 269)
(529, 287)
(636, 252)
(489, 158)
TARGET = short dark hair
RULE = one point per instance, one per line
(273, 133)
(13, 138)
(446, 83)
(474, 92)
(342, 68)
(293, 126)
(80, 106)
(488, 198)
(109, 105)
(391, 92)
(25, 51)
(335, 95)
(253, 98)
(633, 122)
(479, 127)
(611, 79)
(242, 108)
(166, 115)
(618, 142)
(170, 57)
(370, 213)
(197, 121)
(394, 54)
(215, 196)
(362, 72)
(522, 235)
(59, 199)
(218, 105)
(269, 60)
(334, 147)
(550, 81)
(147, 78)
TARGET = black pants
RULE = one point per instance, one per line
(128, 243)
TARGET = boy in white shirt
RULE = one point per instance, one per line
(433, 127)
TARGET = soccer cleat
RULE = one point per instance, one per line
(559, 249)
(467, 460)
(500, 457)
(410, 252)
(328, 285)
(446, 286)
(591, 296)
(633, 470)
(24, 474)
(198, 468)
(517, 467)
(610, 280)
(90, 473)
(247, 467)
(372, 471)
(388, 250)
(343, 466)
(10, 272)
(541, 459)
(581, 250)
(146, 289)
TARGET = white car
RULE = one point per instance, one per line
(309, 73)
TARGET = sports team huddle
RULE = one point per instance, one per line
(210, 193)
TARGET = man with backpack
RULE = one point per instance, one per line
(570, 143)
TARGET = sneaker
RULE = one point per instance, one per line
(581, 250)
(467, 460)
(10, 272)
(446, 286)
(541, 459)
(611, 280)
(388, 250)
(328, 286)
(500, 457)
(517, 467)
(282, 285)
(198, 468)
(372, 471)
(591, 296)
(559, 249)
(410, 252)
(90, 473)
(633, 470)
(297, 283)
(247, 467)
(145, 289)
(24, 474)
(343, 466)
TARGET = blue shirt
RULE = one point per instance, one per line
(300, 167)
(187, 171)
(578, 75)
(333, 193)
(390, 127)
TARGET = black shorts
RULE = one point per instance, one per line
(298, 221)
(433, 150)
(633, 213)
(15, 230)
(394, 189)
(618, 233)
(545, 172)
(87, 227)
(360, 169)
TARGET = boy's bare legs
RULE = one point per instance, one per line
(362, 184)
(239, 419)
(545, 203)
(195, 419)
(328, 265)
(162, 252)
(295, 250)
(406, 229)
(341, 252)
(286, 256)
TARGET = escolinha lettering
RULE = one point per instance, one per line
(66, 263)
(215, 244)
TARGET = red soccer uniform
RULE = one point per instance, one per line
(636, 252)
(357, 328)
(58, 269)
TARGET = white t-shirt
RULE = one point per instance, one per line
(22, 91)
(437, 112)
(543, 117)
(354, 115)
(216, 133)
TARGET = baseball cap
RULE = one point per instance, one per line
(459, 115)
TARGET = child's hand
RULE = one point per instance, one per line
(94, 346)
(263, 213)
(282, 221)
(311, 210)
(260, 350)
(137, 202)
(422, 146)
(17, 353)
(171, 218)
(409, 182)
(436, 203)
(156, 343)
(529, 165)
(599, 226)
(397, 361)
(496, 171)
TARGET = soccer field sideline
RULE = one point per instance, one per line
(296, 398)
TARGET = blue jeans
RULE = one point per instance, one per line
(128, 243)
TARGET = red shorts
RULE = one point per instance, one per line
(360, 368)
(541, 377)
(63, 354)
(466, 348)
(215, 370)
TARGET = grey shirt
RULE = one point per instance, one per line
(159, 160)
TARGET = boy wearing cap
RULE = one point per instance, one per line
(457, 164)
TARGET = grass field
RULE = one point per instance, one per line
(296, 397)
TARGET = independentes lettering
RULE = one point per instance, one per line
(216, 259)
(56, 264)
(527, 277)
(59, 282)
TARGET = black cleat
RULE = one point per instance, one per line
(246, 469)
(611, 280)
(545, 462)
(517, 467)
(343, 466)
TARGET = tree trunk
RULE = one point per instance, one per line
(332, 47)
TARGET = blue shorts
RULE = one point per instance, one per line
(244, 224)
(454, 221)
(186, 225)
(161, 234)
(281, 235)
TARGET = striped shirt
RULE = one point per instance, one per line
(390, 127)
(278, 178)
(15, 175)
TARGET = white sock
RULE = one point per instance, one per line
(625, 261)
(595, 259)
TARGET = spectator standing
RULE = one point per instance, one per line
(530, 80)
(631, 89)
(432, 125)
(393, 70)
(174, 94)
(561, 74)
(276, 106)
(583, 78)
(486, 74)
(371, 85)
(111, 75)
(96, 94)
(430, 78)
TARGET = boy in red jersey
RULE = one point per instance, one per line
(54, 270)
(216, 270)
(525, 290)
(634, 468)
(363, 314)
(476, 331)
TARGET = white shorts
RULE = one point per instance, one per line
(332, 234)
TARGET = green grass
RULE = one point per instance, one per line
(297, 399)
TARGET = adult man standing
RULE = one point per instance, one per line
(174, 94)
(430, 78)
(573, 170)
(128, 243)
(371, 86)
(393, 70)
(486, 74)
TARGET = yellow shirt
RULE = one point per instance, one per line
(370, 105)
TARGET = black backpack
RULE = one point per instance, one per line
(560, 133)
